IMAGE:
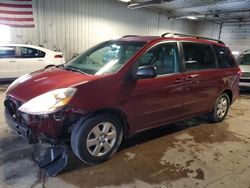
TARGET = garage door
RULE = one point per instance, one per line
(236, 35)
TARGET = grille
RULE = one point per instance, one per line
(245, 80)
(12, 106)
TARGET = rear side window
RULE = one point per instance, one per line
(7, 51)
(244, 59)
(225, 58)
(31, 53)
(198, 56)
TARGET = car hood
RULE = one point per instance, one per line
(42, 81)
(245, 68)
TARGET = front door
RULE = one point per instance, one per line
(158, 100)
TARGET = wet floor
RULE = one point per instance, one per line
(193, 153)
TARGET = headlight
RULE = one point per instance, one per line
(48, 102)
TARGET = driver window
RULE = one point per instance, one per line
(164, 57)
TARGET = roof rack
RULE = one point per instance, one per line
(194, 36)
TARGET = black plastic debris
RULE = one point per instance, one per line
(54, 160)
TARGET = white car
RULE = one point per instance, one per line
(244, 63)
(19, 59)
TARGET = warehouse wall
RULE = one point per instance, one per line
(208, 29)
(72, 26)
(236, 35)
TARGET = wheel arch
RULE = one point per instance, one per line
(229, 93)
(48, 66)
(118, 113)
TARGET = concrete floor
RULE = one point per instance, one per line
(191, 154)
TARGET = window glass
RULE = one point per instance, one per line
(164, 57)
(7, 51)
(198, 56)
(31, 53)
(244, 59)
(105, 58)
(225, 58)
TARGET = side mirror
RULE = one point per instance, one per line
(146, 72)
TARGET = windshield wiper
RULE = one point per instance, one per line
(70, 68)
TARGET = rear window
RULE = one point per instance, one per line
(225, 58)
(7, 52)
(244, 59)
(198, 56)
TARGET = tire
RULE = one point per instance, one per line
(95, 134)
(215, 115)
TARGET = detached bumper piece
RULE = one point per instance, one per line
(54, 160)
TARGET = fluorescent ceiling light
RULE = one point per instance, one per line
(192, 17)
(125, 1)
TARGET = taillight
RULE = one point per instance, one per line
(58, 56)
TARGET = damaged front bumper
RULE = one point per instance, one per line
(50, 129)
(55, 157)
(21, 130)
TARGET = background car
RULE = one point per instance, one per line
(19, 59)
(244, 63)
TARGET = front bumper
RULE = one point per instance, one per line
(52, 128)
(20, 129)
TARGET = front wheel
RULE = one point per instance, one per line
(97, 138)
(221, 108)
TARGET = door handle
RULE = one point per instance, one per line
(12, 61)
(40, 60)
(178, 81)
(189, 78)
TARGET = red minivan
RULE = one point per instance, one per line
(121, 87)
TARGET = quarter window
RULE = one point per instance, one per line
(164, 57)
(198, 56)
(31, 53)
(225, 58)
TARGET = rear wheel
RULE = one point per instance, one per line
(97, 138)
(220, 108)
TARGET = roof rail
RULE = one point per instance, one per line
(194, 36)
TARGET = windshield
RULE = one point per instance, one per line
(244, 59)
(105, 58)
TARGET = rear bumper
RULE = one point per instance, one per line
(20, 129)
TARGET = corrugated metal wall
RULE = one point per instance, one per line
(236, 35)
(73, 26)
(208, 29)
